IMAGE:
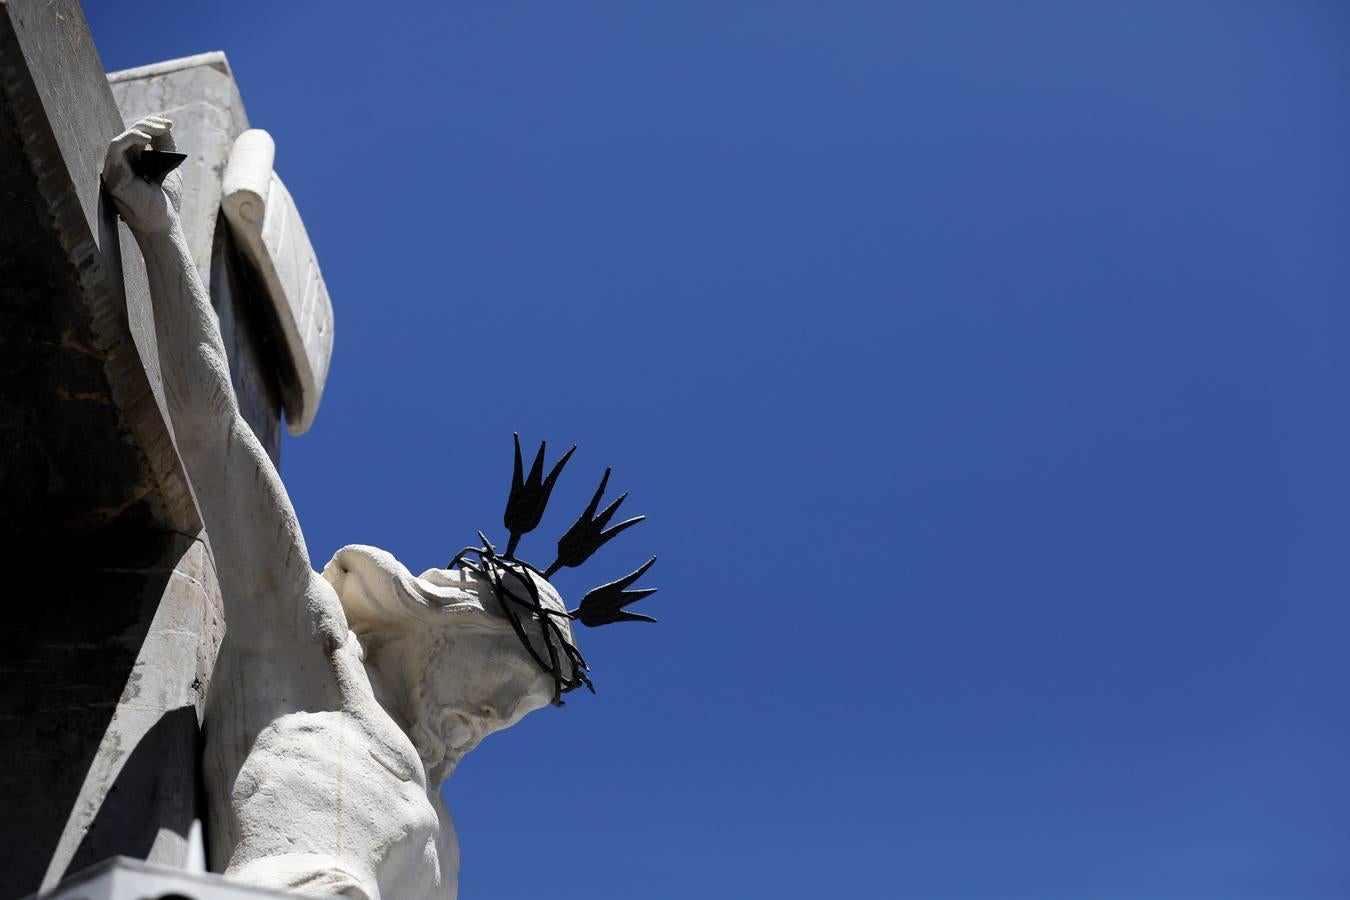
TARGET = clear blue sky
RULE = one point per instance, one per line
(982, 368)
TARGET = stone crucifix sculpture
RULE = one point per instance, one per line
(341, 701)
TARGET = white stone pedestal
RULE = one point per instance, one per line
(120, 878)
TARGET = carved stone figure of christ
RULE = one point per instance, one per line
(340, 701)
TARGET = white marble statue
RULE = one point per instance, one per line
(340, 701)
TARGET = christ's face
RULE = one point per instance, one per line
(479, 682)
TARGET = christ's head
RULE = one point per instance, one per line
(443, 652)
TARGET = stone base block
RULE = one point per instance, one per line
(120, 878)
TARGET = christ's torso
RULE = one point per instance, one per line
(314, 786)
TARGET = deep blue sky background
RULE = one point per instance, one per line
(981, 367)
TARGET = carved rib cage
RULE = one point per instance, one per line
(525, 507)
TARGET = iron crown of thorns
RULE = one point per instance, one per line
(601, 605)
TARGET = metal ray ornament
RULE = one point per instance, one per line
(587, 534)
(525, 504)
(603, 605)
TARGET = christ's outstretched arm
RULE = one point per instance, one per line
(260, 552)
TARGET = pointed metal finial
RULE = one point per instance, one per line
(529, 496)
(588, 533)
(605, 604)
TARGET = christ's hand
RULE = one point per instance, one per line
(148, 208)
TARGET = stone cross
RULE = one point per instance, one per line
(115, 614)
(145, 374)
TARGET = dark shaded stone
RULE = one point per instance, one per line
(92, 756)
(110, 597)
(86, 440)
(259, 365)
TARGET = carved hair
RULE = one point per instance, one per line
(376, 590)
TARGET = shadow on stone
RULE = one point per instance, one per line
(77, 621)
(122, 826)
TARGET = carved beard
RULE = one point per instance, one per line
(442, 738)
(440, 734)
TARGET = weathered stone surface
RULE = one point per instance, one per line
(200, 95)
(73, 299)
(259, 363)
(114, 607)
(129, 879)
(104, 688)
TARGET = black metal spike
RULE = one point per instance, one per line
(537, 469)
(155, 165)
(608, 512)
(587, 533)
(517, 480)
(529, 496)
(557, 469)
(605, 604)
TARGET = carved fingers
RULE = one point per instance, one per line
(160, 130)
(116, 164)
(145, 205)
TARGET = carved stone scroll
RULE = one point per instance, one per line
(263, 217)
